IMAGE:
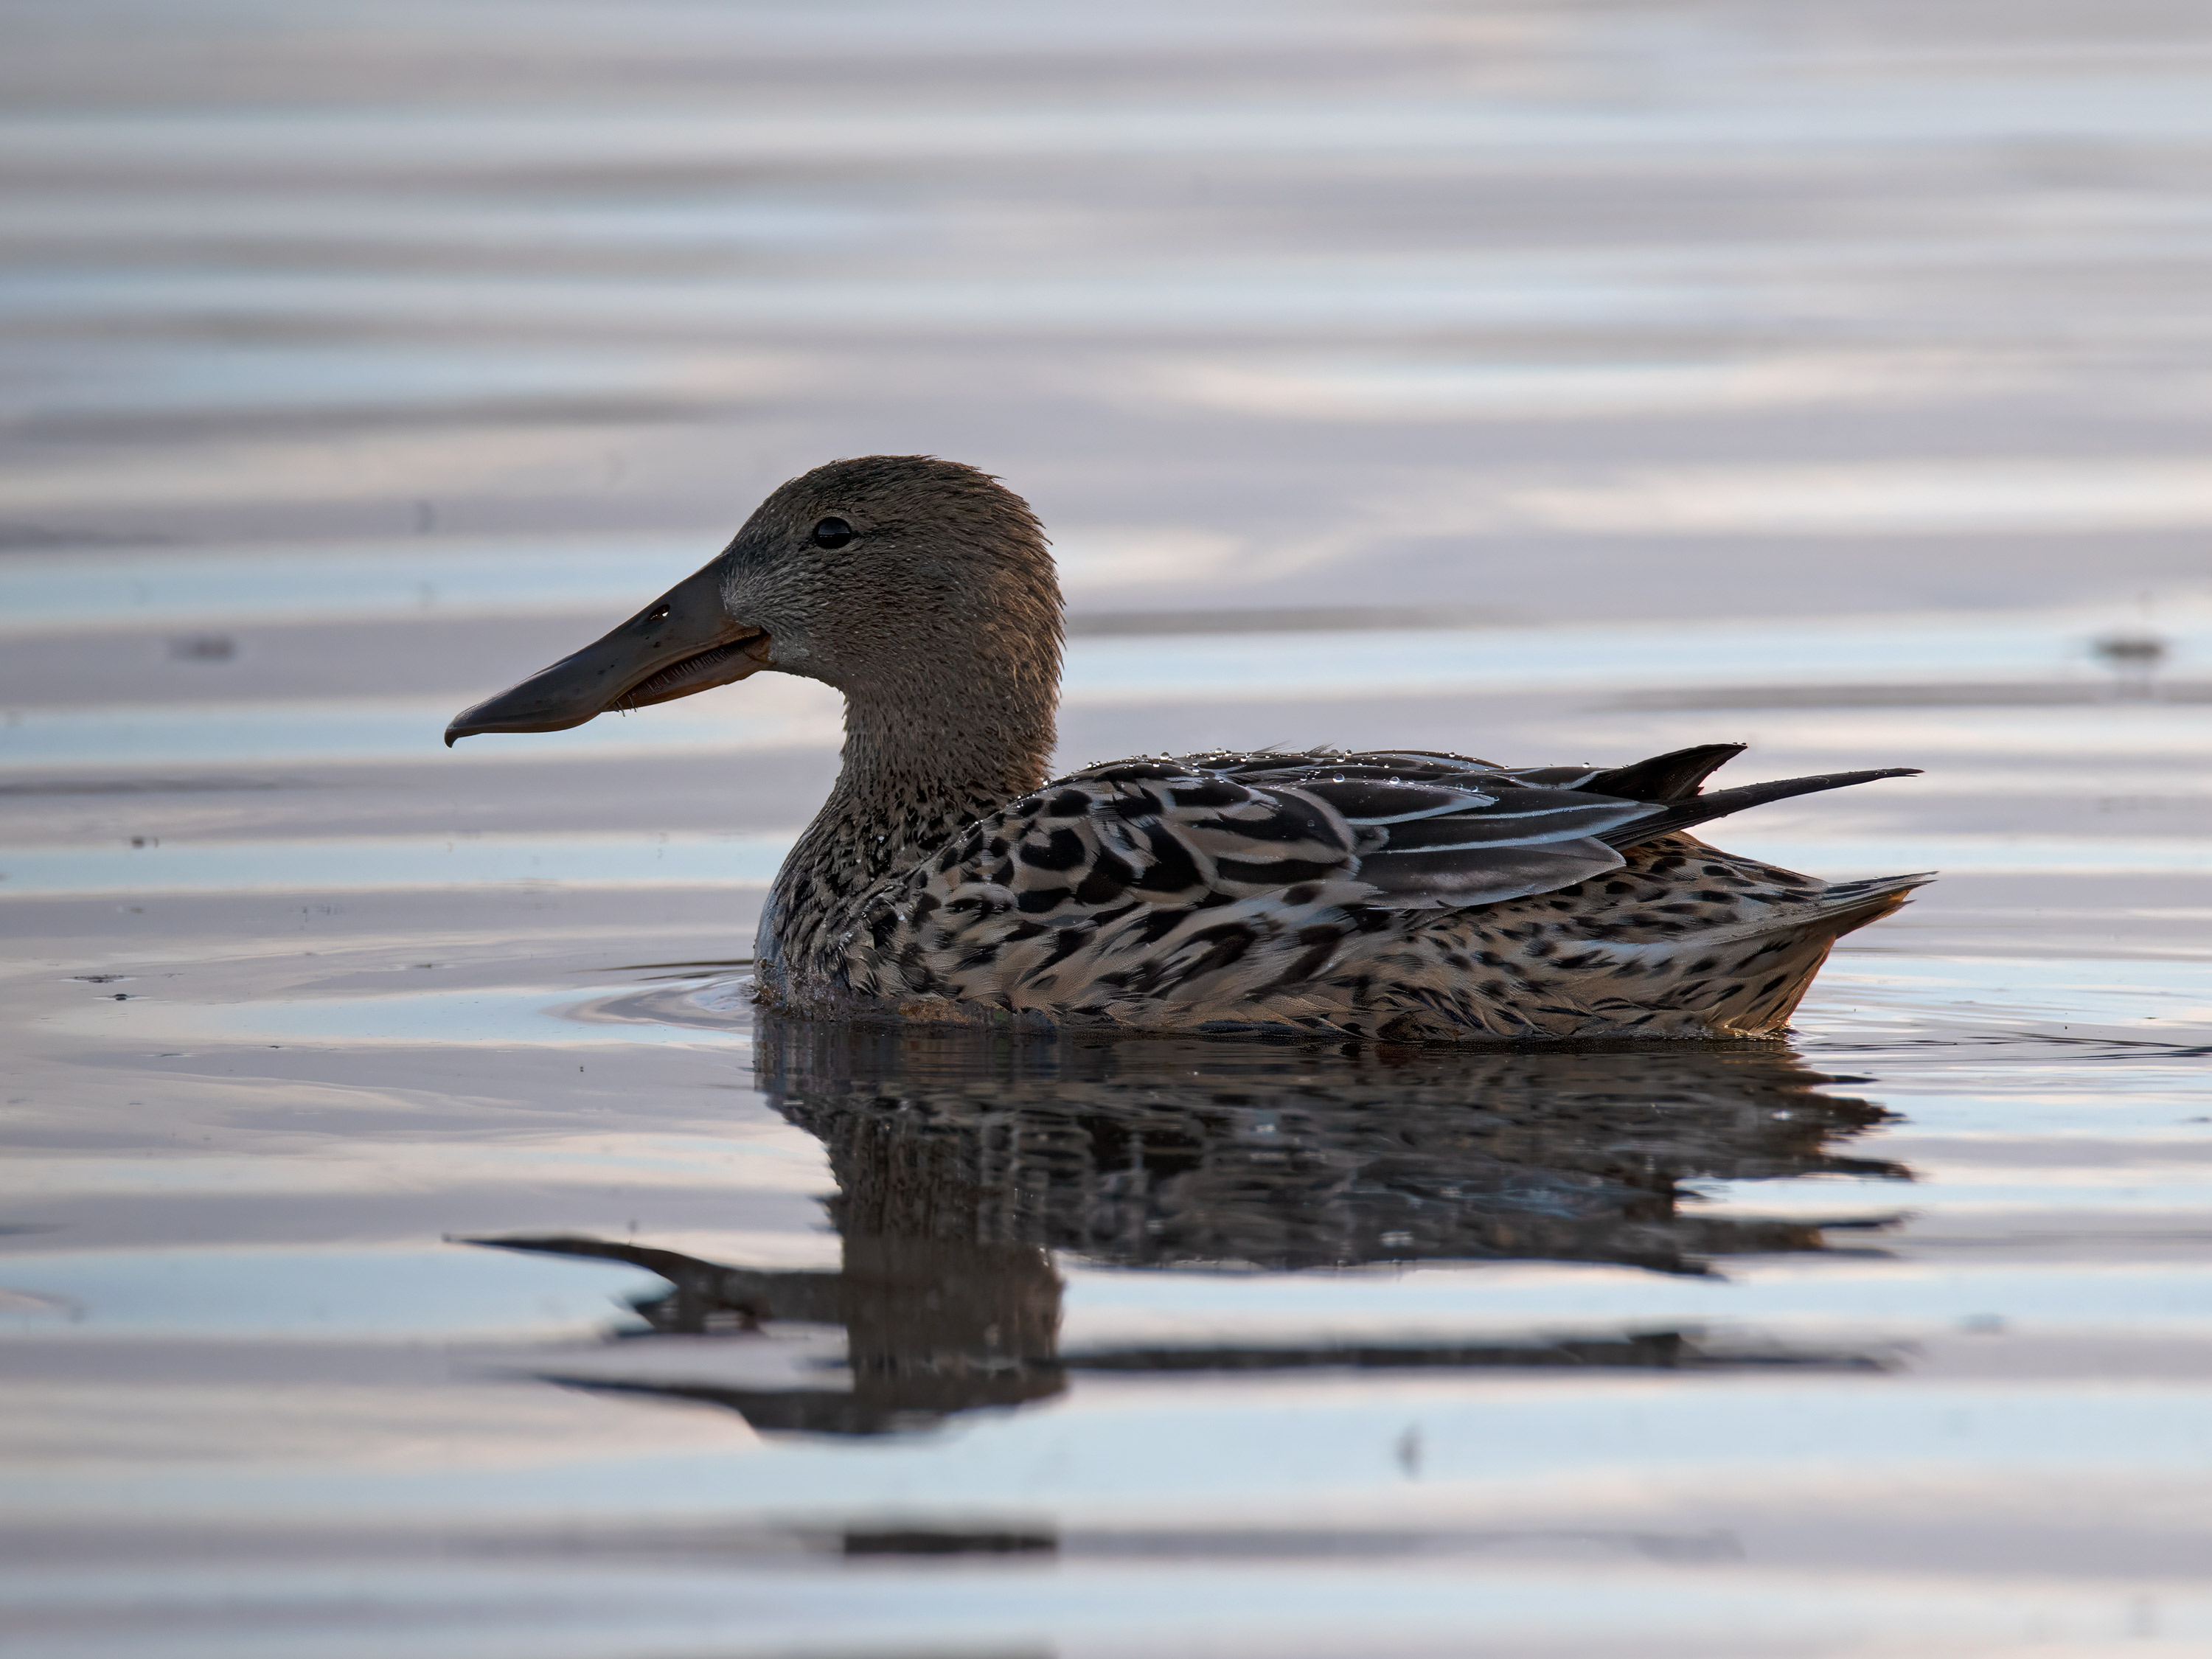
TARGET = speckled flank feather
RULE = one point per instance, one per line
(1402, 897)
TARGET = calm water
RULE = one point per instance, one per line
(412, 1238)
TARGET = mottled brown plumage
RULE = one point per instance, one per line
(1399, 896)
(1149, 895)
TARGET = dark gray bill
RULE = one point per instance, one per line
(683, 641)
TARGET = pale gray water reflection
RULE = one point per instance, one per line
(1223, 1305)
(1549, 382)
(964, 1162)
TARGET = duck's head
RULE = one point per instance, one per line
(894, 578)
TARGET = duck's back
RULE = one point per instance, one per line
(1404, 896)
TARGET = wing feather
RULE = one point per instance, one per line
(1414, 831)
(1157, 875)
(1423, 881)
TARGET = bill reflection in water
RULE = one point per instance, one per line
(965, 1162)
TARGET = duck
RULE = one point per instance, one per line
(1389, 896)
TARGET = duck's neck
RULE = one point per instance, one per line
(912, 777)
(917, 771)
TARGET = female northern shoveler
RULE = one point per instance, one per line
(1409, 896)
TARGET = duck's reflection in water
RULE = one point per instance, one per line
(964, 1161)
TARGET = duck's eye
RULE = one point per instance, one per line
(832, 533)
(659, 613)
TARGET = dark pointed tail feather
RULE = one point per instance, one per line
(1848, 906)
(1699, 809)
(1665, 777)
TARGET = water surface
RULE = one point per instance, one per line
(414, 1237)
